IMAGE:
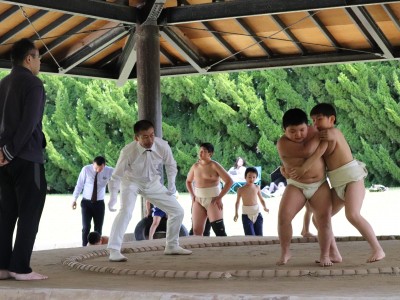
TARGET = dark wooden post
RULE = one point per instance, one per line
(148, 75)
(148, 78)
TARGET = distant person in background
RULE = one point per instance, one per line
(273, 190)
(251, 216)
(157, 215)
(22, 175)
(95, 238)
(203, 183)
(238, 170)
(92, 181)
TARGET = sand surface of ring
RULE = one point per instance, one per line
(61, 228)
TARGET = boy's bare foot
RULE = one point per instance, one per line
(284, 259)
(378, 255)
(4, 274)
(333, 257)
(325, 262)
(27, 277)
(333, 260)
(307, 234)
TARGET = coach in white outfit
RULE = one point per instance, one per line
(138, 171)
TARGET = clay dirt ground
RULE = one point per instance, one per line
(66, 283)
(381, 209)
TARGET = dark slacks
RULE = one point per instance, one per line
(22, 196)
(251, 228)
(91, 211)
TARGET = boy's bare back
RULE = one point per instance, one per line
(338, 153)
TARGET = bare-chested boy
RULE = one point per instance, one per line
(298, 143)
(251, 217)
(203, 184)
(345, 174)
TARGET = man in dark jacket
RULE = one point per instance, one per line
(22, 178)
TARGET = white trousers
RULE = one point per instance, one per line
(158, 195)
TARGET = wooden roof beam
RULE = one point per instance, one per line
(58, 41)
(245, 8)
(278, 62)
(257, 39)
(323, 29)
(61, 20)
(374, 31)
(168, 56)
(282, 27)
(101, 10)
(93, 48)
(221, 40)
(176, 38)
(392, 16)
(108, 59)
(127, 60)
(8, 13)
(10, 34)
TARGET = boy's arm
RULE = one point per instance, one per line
(329, 134)
(328, 138)
(238, 196)
(298, 172)
(262, 200)
(223, 175)
(189, 183)
(289, 149)
(282, 169)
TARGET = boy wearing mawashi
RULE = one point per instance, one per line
(298, 143)
(251, 217)
(345, 174)
(203, 183)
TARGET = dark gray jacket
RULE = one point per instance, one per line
(22, 99)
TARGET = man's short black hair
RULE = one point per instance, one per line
(208, 146)
(20, 50)
(294, 117)
(99, 160)
(325, 109)
(142, 125)
(94, 237)
(250, 170)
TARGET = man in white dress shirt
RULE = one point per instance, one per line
(92, 181)
(138, 171)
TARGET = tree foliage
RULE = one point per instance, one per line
(240, 113)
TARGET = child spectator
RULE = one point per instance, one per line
(251, 216)
(94, 238)
(157, 215)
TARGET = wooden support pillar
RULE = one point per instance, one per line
(148, 79)
(148, 75)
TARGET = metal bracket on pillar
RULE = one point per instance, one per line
(150, 12)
